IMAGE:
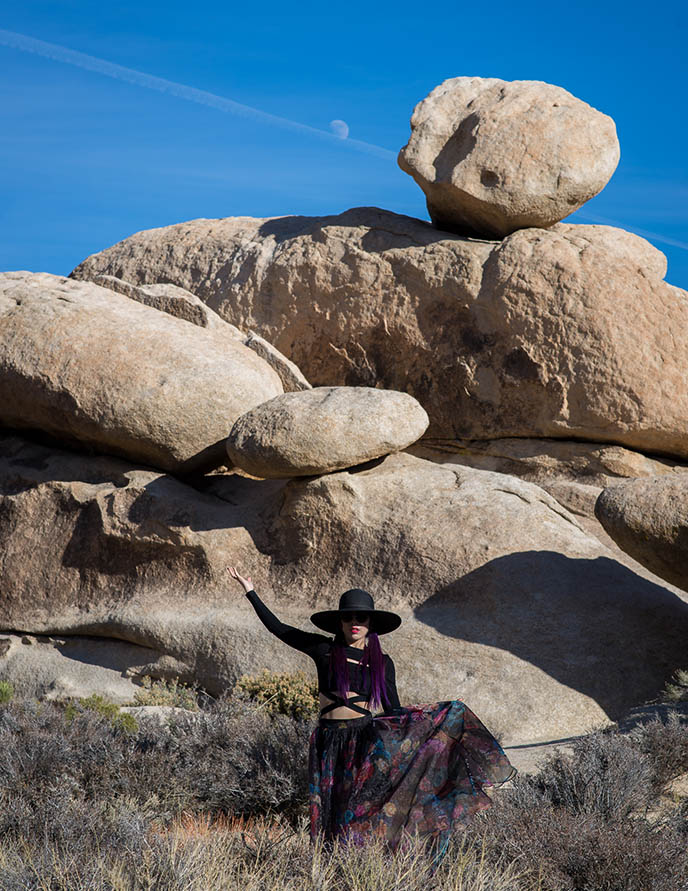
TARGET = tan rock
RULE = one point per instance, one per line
(290, 374)
(173, 300)
(74, 667)
(88, 366)
(548, 461)
(649, 519)
(493, 156)
(323, 429)
(505, 599)
(184, 305)
(563, 333)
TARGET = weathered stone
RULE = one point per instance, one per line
(547, 461)
(323, 429)
(184, 305)
(504, 598)
(75, 667)
(289, 373)
(173, 300)
(567, 332)
(86, 365)
(493, 156)
(648, 518)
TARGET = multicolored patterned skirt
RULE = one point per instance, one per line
(420, 771)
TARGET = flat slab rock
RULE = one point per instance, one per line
(494, 156)
(324, 429)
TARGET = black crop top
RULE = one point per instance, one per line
(318, 647)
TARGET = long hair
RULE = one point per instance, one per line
(372, 660)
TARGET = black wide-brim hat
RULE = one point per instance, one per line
(356, 600)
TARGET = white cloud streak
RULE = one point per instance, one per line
(191, 94)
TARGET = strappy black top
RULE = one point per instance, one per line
(318, 647)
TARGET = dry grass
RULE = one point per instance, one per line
(218, 802)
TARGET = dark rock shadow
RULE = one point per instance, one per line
(592, 625)
(388, 229)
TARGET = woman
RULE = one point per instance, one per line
(408, 771)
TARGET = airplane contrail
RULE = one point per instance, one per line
(202, 97)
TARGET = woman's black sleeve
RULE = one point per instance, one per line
(391, 685)
(304, 641)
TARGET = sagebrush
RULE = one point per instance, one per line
(217, 799)
(293, 694)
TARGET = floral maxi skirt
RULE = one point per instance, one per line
(418, 772)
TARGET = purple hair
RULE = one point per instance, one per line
(372, 659)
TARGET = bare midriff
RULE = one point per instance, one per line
(342, 713)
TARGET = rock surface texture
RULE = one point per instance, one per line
(568, 332)
(648, 518)
(173, 300)
(494, 156)
(184, 305)
(88, 366)
(504, 598)
(324, 429)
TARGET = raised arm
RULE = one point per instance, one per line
(305, 641)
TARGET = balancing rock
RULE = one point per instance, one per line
(493, 156)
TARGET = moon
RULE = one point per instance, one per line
(339, 128)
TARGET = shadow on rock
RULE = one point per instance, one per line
(592, 625)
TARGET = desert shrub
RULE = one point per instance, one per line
(605, 775)
(580, 821)
(167, 693)
(295, 695)
(676, 689)
(666, 747)
(575, 852)
(232, 758)
(98, 704)
(6, 692)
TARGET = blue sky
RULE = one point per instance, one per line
(85, 159)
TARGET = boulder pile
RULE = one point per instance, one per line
(429, 411)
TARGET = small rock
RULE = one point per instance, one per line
(648, 518)
(324, 429)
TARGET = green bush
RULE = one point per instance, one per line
(294, 695)
(6, 692)
(96, 703)
(168, 693)
(676, 690)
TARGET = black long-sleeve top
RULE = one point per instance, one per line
(318, 647)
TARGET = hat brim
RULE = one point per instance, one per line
(381, 621)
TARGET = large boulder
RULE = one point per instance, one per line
(506, 602)
(493, 156)
(86, 365)
(183, 304)
(648, 518)
(324, 429)
(565, 332)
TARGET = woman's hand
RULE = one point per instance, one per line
(247, 583)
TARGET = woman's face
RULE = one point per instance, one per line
(355, 627)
